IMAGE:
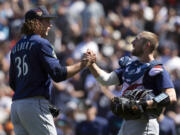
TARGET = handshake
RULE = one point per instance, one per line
(89, 57)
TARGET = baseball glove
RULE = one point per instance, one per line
(130, 105)
(54, 110)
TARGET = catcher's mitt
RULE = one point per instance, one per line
(130, 106)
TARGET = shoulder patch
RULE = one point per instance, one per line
(155, 70)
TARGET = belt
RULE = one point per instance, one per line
(39, 97)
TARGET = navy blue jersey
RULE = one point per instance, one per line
(33, 64)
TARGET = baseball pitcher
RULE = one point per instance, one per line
(33, 67)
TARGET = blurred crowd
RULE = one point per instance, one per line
(107, 27)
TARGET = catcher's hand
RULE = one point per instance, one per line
(126, 108)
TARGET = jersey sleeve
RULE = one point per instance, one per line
(163, 80)
(51, 63)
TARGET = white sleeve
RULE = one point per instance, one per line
(108, 78)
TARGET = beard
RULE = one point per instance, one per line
(138, 52)
(44, 33)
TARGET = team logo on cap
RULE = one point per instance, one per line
(39, 12)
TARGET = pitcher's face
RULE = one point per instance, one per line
(47, 26)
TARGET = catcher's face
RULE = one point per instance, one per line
(138, 46)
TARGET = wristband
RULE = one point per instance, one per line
(162, 100)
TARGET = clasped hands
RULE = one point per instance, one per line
(88, 58)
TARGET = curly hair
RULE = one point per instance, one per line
(32, 27)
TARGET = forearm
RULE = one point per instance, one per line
(96, 71)
(103, 77)
(73, 69)
(172, 94)
(172, 98)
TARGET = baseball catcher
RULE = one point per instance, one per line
(146, 87)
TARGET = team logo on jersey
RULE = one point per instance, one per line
(39, 12)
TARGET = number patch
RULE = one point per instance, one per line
(21, 65)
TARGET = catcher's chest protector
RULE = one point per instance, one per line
(133, 70)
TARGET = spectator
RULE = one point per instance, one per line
(62, 23)
(87, 43)
(93, 125)
(166, 125)
(92, 16)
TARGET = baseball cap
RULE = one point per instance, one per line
(38, 13)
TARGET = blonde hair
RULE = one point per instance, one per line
(152, 38)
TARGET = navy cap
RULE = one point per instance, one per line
(38, 13)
